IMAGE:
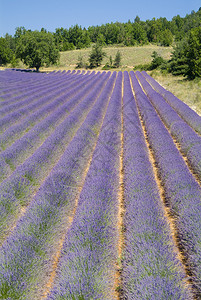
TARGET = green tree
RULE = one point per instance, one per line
(6, 54)
(186, 58)
(193, 53)
(137, 19)
(37, 49)
(75, 35)
(128, 36)
(96, 56)
(166, 38)
(139, 33)
(84, 40)
(117, 60)
(178, 62)
(60, 38)
(11, 42)
(68, 46)
(157, 61)
(155, 28)
(101, 39)
(19, 31)
(80, 63)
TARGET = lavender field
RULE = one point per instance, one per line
(100, 188)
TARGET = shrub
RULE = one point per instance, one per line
(117, 60)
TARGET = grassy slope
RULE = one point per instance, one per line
(131, 56)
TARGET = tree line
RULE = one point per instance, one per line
(38, 48)
(158, 31)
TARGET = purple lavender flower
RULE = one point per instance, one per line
(185, 112)
(37, 233)
(181, 190)
(188, 139)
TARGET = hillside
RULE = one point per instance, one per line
(187, 91)
(131, 56)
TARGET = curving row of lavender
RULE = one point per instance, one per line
(149, 252)
(69, 227)
(188, 139)
(185, 112)
(182, 191)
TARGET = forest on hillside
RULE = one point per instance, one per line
(184, 33)
(137, 32)
(159, 31)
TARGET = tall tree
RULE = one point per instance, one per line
(166, 38)
(37, 49)
(96, 56)
(193, 53)
(6, 54)
(178, 62)
(117, 60)
(186, 58)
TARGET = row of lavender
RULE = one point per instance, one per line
(189, 141)
(70, 140)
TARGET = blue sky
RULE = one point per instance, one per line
(52, 14)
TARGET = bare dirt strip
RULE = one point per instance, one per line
(121, 210)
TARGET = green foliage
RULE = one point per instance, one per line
(117, 60)
(157, 61)
(139, 33)
(81, 63)
(111, 60)
(68, 46)
(73, 38)
(141, 67)
(186, 58)
(14, 62)
(193, 53)
(19, 31)
(37, 49)
(6, 54)
(84, 41)
(178, 62)
(79, 297)
(11, 42)
(107, 66)
(100, 39)
(166, 38)
(96, 56)
(156, 31)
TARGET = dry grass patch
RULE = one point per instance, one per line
(189, 91)
(130, 56)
